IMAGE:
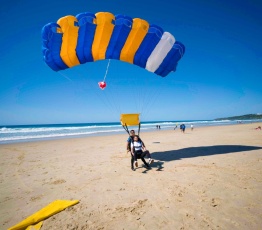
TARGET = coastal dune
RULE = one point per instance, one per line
(208, 178)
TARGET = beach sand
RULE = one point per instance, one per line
(208, 178)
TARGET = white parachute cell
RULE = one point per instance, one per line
(159, 53)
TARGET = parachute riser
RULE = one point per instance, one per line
(126, 129)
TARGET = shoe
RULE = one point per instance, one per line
(151, 161)
(136, 164)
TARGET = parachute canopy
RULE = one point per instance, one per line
(89, 37)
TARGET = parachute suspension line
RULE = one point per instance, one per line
(145, 97)
(153, 97)
(136, 91)
(116, 91)
(106, 70)
(111, 101)
(149, 96)
(63, 75)
(91, 82)
(110, 95)
(139, 92)
(150, 104)
(103, 98)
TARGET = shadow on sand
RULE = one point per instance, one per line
(197, 152)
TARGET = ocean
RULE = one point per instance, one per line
(27, 133)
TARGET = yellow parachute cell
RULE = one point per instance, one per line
(70, 35)
(134, 40)
(104, 30)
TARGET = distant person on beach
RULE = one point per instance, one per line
(175, 127)
(183, 128)
(128, 147)
(137, 151)
(192, 127)
(258, 128)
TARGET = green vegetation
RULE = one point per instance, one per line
(243, 117)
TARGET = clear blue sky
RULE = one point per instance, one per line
(220, 74)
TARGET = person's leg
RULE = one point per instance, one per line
(135, 156)
(148, 155)
(146, 164)
(135, 159)
(132, 162)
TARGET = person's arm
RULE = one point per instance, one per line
(132, 149)
(128, 143)
(143, 145)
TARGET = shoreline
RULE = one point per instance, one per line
(101, 134)
(208, 178)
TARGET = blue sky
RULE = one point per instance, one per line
(220, 74)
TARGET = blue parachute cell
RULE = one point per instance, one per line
(51, 45)
(170, 62)
(150, 41)
(123, 25)
(86, 34)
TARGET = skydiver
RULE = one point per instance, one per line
(137, 151)
(128, 147)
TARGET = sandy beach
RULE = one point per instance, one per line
(208, 178)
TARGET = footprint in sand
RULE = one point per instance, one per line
(61, 181)
(215, 202)
(36, 198)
